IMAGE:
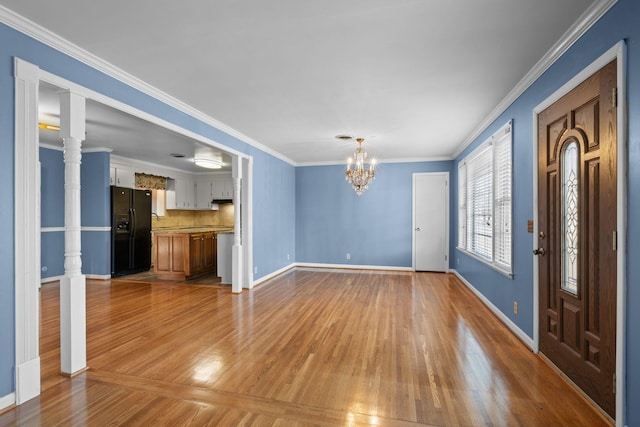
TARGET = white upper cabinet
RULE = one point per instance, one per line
(122, 177)
(203, 192)
(222, 186)
(185, 193)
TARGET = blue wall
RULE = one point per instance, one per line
(620, 23)
(375, 228)
(274, 210)
(95, 207)
(95, 212)
(51, 212)
(273, 214)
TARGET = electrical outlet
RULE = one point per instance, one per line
(348, 256)
(515, 307)
(288, 257)
(255, 269)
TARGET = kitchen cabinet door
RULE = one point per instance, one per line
(209, 252)
(185, 193)
(122, 177)
(222, 186)
(171, 251)
(203, 192)
(196, 254)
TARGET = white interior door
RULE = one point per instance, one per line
(431, 221)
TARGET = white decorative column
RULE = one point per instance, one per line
(27, 231)
(236, 277)
(73, 329)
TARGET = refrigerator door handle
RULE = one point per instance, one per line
(132, 213)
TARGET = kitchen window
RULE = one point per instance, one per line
(485, 202)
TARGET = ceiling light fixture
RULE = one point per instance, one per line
(205, 162)
(48, 126)
(361, 170)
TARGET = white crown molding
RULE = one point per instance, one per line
(380, 161)
(418, 159)
(581, 26)
(51, 39)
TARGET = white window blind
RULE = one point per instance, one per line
(462, 205)
(479, 200)
(502, 201)
(484, 201)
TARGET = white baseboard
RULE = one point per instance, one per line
(7, 401)
(88, 276)
(98, 276)
(351, 266)
(528, 341)
(274, 274)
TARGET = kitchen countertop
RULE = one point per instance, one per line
(195, 229)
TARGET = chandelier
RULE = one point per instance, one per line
(360, 169)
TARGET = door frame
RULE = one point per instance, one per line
(413, 216)
(618, 53)
(27, 77)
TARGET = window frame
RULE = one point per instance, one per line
(499, 149)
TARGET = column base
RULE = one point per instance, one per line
(27, 380)
(236, 278)
(73, 324)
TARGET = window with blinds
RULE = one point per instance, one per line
(484, 201)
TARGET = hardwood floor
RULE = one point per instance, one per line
(310, 347)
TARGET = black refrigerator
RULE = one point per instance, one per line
(130, 231)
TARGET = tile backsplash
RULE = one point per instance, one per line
(191, 218)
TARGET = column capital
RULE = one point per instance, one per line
(72, 115)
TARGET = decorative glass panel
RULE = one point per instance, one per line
(569, 164)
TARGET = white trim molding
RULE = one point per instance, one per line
(7, 401)
(273, 274)
(581, 26)
(351, 266)
(526, 339)
(617, 52)
(27, 233)
(327, 266)
(83, 228)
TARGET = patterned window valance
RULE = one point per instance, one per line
(150, 182)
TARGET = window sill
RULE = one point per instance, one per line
(489, 264)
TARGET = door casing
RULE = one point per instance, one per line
(27, 218)
(617, 52)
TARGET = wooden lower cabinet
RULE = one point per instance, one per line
(179, 256)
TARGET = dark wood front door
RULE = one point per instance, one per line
(577, 204)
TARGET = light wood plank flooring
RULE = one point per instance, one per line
(310, 347)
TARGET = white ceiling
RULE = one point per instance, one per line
(127, 136)
(414, 77)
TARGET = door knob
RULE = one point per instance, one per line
(539, 251)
